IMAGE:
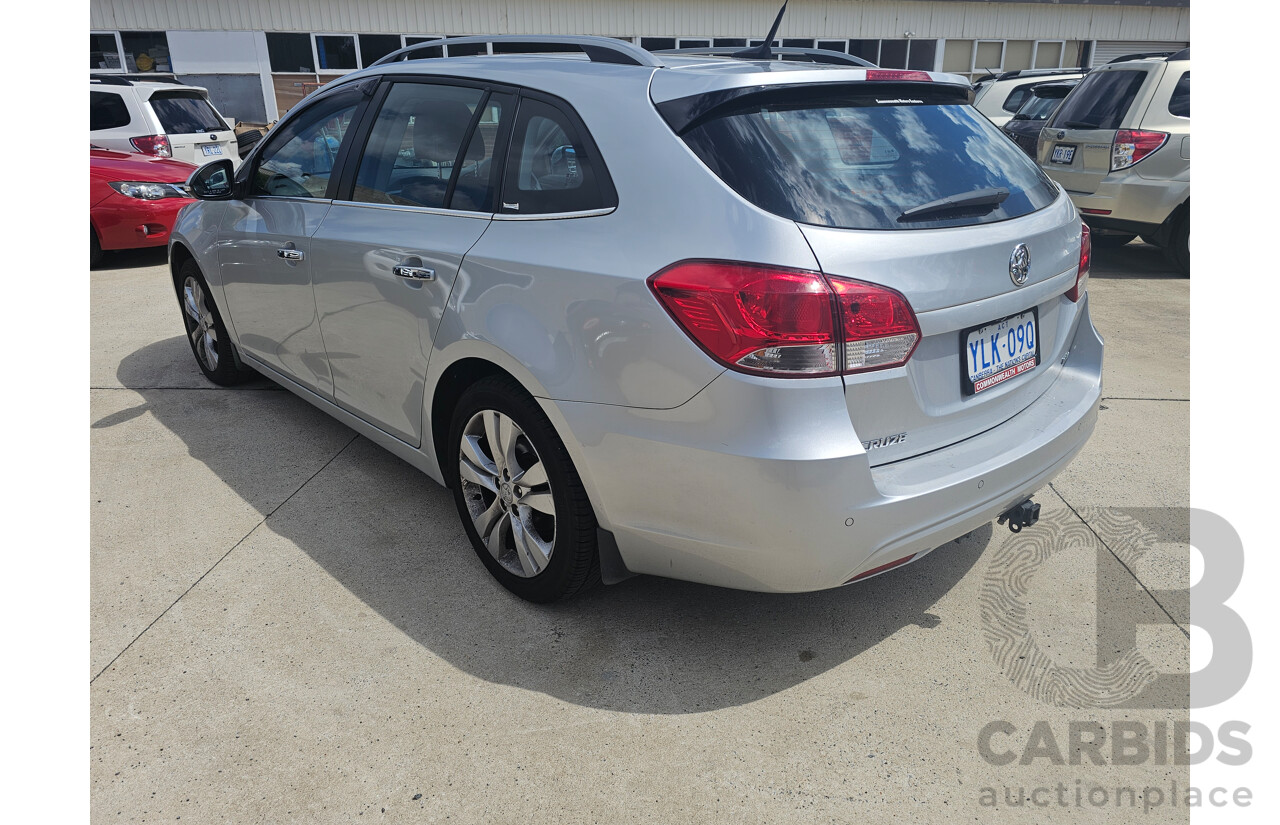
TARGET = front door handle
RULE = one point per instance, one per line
(290, 254)
(414, 273)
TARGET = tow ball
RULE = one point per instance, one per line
(1020, 515)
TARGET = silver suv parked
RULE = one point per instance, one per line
(1120, 145)
(765, 325)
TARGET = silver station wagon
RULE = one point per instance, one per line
(778, 325)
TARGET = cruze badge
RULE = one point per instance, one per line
(1019, 264)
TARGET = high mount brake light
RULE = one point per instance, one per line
(898, 74)
(1132, 145)
(787, 322)
(1082, 273)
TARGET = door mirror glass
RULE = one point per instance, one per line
(211, 182)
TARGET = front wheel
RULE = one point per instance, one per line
(521, 501)
(206, 333)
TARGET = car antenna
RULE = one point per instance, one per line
(763, 51)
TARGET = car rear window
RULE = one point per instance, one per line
(1038, 108)
(855, 161)
(184, 113)
(1100, 101)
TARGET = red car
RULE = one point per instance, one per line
(133, 200)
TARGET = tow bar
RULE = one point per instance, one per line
(1020, 515)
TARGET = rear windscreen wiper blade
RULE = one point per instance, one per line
(990, 198)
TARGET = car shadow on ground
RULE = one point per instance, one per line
(133, 258)
(391, 537)
(1133, 260)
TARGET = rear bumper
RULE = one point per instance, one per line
(1131, 202)
(761, 484)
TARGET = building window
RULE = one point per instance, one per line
(988, 56)
(337, 52)
(654, 44)
(834, 45)
(104, 52)
(693, 43)
(374, 47)
(146, 51)
(290, 52)
(1048, 54)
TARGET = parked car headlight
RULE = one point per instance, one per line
(149, 191)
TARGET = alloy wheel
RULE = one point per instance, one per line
(200, 324)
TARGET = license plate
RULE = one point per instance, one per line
(1062, 154)
(998, 351)
(212, 150)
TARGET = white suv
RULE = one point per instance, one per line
(1120, 145)
(1000, 96)
(158, 117)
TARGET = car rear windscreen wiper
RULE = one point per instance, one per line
(965, 201)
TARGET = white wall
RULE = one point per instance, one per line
(213, 52)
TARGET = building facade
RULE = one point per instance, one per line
(260, 57)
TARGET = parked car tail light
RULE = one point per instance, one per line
(1132, 145)
(898, 74)
(880, 330)
(148, 191)
(157, 145)
(1082, 275)
(787, 322)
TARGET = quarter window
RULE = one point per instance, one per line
(552, 168)
(300, 160)
(415, 151)
(107, 110)
(1180, 101)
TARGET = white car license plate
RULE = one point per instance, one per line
(212, 150)
(1063, 154)
(996, 352)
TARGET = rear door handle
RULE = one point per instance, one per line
(290, 254)
(414, 273)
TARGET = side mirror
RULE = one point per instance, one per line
(211, 182)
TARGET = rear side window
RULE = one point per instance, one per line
(1180, 101)
(1018, 97)
(1100, 101)
(415, 155)
(856, 163)
(552, 167)
(107, 111)
(184, 113)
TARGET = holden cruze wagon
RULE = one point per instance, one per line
(766, 325)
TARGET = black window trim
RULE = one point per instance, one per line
(604, 179)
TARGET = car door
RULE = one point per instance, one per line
(265, 240)
(414, 202)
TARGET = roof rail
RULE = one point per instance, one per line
(1030, 73)
(130, 79)
(814, 55)
(598, 49)
(1139, 56)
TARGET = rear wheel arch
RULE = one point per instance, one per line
(178, 256)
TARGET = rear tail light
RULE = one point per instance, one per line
(898, 74)
(787, 322)
(1082, 274)
(1132, 145)
(157, 145)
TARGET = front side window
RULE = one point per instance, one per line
(858, 161)
(551, 167)
(300, 160)
(107, 110)
(415, 155)
(1100, 101)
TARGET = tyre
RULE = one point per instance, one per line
(95, 248)
(1111, 241)
(520, 499)
(206, 333)
(1177, 250)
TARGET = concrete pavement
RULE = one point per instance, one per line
(288, 625)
